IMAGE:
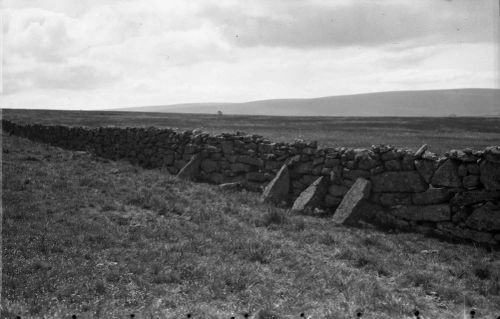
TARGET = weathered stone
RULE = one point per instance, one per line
(421, 151)
(191, 170)
(390, 155)
(270, 165)
(325, 171)
(317, 161)
(383, 148)
(474, 197)
(470, 181)
(460, 213)
(359, 153)
(217, 178)
(172, 170)
(432, 196)
(190, 149)
(486, 217)
(239, 167)
(216, 156)
(308, 179)
(312, 196)
(179, 164)
(308, 150)
(350, 165)
(277, 189)
(303, 168)
(331, 162)
(426, 169)
(251, 146)
(376, 170)
(266, 148)
(366, 162)
(337, 190)
(473, 169)
(354, 174)
(336, 175)
(332, 201)
(168, 160)
(492, 154)
(398, 182)
(252, 186)
(462, 156)
(462, 170)
(490, 175)
(432, 213)
(391, 199)
(212, 149)
(256, 176)
(208, 165)
(429, 156)
(459, 232)
(348, 182)
(297, 184)
(185, 157)
(407, 163)
(392, 165)
(251, 161)
(231, 158)
(317, 170)
(350, 210)
(234, 186)
(447, 175)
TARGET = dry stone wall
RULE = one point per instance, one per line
(455, 195)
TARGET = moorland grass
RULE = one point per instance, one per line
(440, 133)
(102, 239)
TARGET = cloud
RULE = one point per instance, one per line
(137, 52)
(69, 76)
(355, 23)
(37, 34)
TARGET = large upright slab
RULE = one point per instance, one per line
(277, 190)
(312, 197)
(191, 169)
(350, 210)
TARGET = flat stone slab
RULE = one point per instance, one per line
(312, 196)
(486, 217)
(432, 213)
(398, 182)
(425, 168)
(350, 211)
(474, 197)
(277, 189)
(490, 175)
(432, 196)
(191, 170)
(447, 175)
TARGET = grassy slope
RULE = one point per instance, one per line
(104, 239)
(441, 134)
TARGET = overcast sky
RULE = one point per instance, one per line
(102, 54)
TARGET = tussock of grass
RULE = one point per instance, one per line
(106, 239)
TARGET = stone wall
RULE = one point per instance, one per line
(455, 195)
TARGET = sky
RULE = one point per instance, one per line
(96, 54)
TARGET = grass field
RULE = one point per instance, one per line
(100, 239)
(441, 134)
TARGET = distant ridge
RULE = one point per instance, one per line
(452, 102)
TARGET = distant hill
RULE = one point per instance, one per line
(454, 102)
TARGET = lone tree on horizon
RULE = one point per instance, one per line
(219, 113)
